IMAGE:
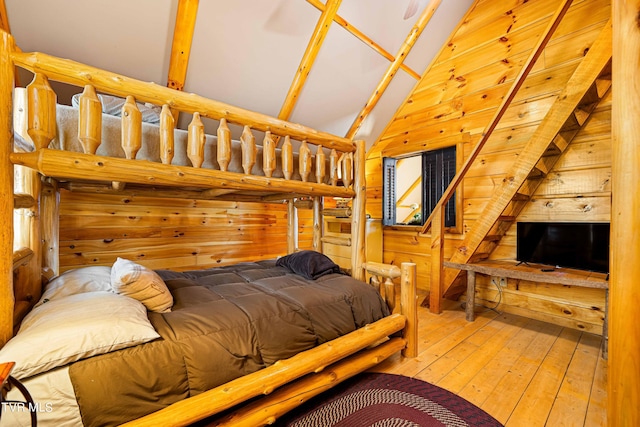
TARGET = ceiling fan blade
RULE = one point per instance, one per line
(412, 8)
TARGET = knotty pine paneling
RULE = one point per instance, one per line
(460, 92)
(167, 233)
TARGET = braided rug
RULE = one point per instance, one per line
(385, 400)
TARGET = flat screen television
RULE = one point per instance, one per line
(580, 245)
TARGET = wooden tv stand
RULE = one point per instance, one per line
(534, 273)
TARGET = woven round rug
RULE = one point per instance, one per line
(386, 400)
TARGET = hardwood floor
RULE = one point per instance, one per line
(523, 372)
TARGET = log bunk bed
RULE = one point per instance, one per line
(40, 172)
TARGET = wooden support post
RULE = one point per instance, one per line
(291, 227)
(471, 295)
(317, 224)
(49, 224)
(624, 294)
(437, 257)
(7, 78)
(409, 307)
(359, 214)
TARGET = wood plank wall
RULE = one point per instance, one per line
(177, 234)
(460, 93)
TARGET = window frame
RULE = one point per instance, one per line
(388, 172)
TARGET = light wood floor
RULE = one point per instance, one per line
(521, 371)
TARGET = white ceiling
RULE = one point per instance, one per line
(246, 52)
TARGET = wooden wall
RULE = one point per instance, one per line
(177, 234)
(460, 93)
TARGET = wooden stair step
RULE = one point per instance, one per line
(492, 238)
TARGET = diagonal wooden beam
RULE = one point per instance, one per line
(4, 18)
(364, 38)
(310, 54)
(411, 39)
(181, 46)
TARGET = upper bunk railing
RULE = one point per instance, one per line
(333, 171)
(435, 221)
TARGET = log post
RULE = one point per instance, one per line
(224, 145)
(624, 294)
(50, 226)
(437, 258)
(359, 215)
(409, 307)
(7, 77)
(131, 128)
(195, 141)
(90, 121)
(167, 126)
(291, 226)
(317, 224)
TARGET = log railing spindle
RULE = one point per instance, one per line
(248, 144)
(131, 128)
(304, 158)
(224, 145)
(320, 165)
(41, 111)
(167, 125)
(347, 169)
(195, 141)
(287, 158)
(90, 121)
(333, 167)
(268, 154)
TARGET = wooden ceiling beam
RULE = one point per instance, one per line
(310, 54)
(393, 68)
(181, 46)
(364, 38)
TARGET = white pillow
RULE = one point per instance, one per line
(112, 105)
(85, 279)
(136, 281)
(76, 327)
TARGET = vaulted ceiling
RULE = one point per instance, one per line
(248, 52)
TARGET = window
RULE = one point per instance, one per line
(414, 184)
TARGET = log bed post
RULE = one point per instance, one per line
(358, 215)
(7, 77)
(291, 226)
(624, 295)
(317, 224)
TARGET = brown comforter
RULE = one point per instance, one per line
(225, 322)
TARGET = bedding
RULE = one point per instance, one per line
(225, 322)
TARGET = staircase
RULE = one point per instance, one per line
(573, 107)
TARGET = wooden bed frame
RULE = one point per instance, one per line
(26, 264)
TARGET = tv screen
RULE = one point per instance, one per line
(580, 245)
